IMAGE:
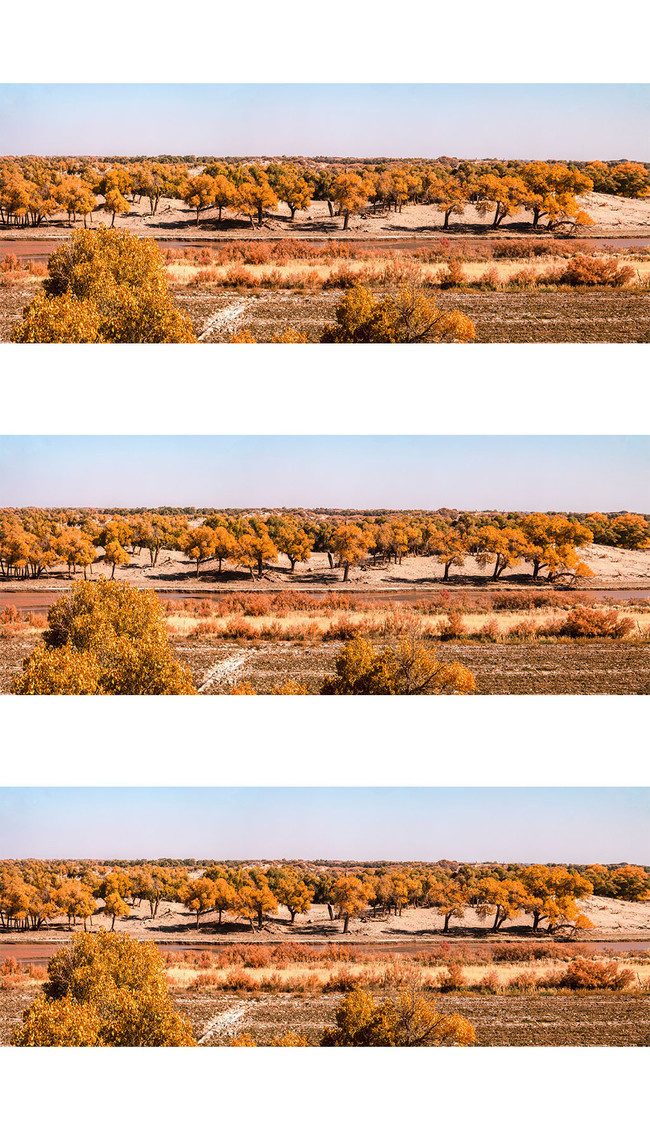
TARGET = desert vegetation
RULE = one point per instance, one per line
(76, 894)
(313, 595)
(305, 250)
(324, 953)
(36, 543)
(36, 190)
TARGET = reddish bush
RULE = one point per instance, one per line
(596, 623)
(583, 270)
(584, 973)
(452, 979)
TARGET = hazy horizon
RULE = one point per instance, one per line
(528, 121)
(489, 824)
(519, 473)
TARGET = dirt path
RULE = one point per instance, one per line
(222, 671)
(224, 1023)
(224, 319)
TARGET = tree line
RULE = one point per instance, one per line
(32, 892)
(33, 189)
(36, 542)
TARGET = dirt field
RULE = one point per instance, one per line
(598, 315)
(596, 1019)
(587, 667)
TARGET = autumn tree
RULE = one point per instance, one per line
(505, 547)
(552, 894)
(199, 545)
(407, 1022)
(114, 555)
(292, 540)
(506, 897)
(292, 892)
(450, 897)
(350, 192)
(105, 286)
(410, 317)
(199, 194)
(406, 667)
(105, 637)
(255, 899)
(115, 204)
(115, 907)
(104, 990)
(450, 196)
(198, 897)
(224, 895)
(350, 897)
(254, 547)
(350, 543)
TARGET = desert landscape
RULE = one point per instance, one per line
(263, 602)
(276, 250)
(263, 952)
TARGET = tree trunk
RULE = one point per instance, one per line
(346, 218)
(346, 570)
(346, 920)
(113, 571)
(113, 221)
(259, 919)
(447, 565)
(113, 923)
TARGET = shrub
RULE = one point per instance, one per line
(105, 990)
(105, 286)
(452, 979)
(583, 270)
(407, 1022)
(405, 667)
(105, 637)
(584, 973)
(594, 623)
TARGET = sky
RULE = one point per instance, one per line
(579, 121)
(575, 473)
(525, 825)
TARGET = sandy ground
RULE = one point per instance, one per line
(613, 568)
(613, 216)
(612, 919)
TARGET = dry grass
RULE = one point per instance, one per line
(326, 976)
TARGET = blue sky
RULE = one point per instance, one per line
(606, 825)
(570, 120)
(368, 472)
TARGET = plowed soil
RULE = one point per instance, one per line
(587, 667)
(574, 1020)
